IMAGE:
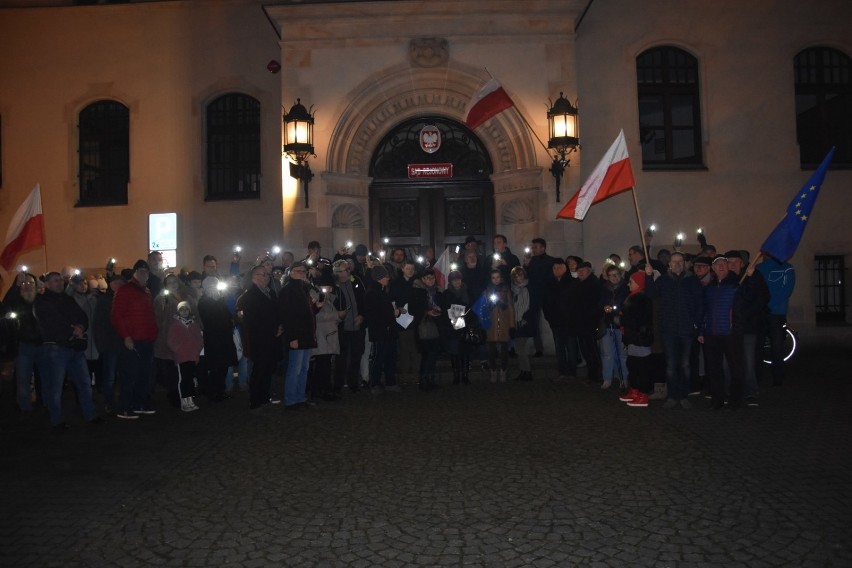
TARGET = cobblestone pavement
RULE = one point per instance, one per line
(517, 474)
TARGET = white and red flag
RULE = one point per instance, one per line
(442, 269)
(490, 101)
(612, 175)
(26, 230)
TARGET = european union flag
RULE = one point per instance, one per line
(784, 240)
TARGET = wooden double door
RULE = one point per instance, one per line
(416, 214)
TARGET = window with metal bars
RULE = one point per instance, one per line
(823, 106)
(104, 153)
(669, 109)
(830, 283)
(233, 147)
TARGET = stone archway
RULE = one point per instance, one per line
(404, 91)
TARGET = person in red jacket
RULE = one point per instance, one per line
(133, 319)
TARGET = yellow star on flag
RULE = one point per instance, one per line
(804, 217)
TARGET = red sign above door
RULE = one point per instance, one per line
(416, 171)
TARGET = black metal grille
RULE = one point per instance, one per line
(823, 106)
(830, 281)
(104, 153)
(233, 147)
(669, 108)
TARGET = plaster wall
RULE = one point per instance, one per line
(745, 52)
(164, 61)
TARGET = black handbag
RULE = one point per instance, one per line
(472, 333)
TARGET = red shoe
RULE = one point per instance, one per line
(630, 395)
(640, 400)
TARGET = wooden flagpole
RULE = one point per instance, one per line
(641, 227)
(524, 119)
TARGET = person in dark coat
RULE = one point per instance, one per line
(401, 291)
(637, 320)
(613, 356)
(220, 353)
(588, 293)
(108, 342)
(539, 267)
(19, 301)
(721, 340)
(426, 310)
(681, 298)
(452, 338)
(260, 318)
(557, 308)
(381, 314)
(63, 325)
(349, 291)
(503, 259)
(298, 315)
(750, 319)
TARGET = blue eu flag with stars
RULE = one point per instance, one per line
(783, 241)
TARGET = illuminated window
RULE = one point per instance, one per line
(823, 106)
(669, 109)
(104, 153)
(233, 147)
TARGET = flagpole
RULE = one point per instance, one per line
(752, 265)
(641, 229)
(523, 118)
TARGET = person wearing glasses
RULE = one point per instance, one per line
(260, 319)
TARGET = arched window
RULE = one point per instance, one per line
(669, 109)
(104, 153)
(233, 147)
(823, 106)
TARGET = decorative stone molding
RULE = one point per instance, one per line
(520, 180)
(428, 52)
(347, 216)
(349, 185)
(385, 99)
(519, 211)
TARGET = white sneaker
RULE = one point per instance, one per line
(187, 405)
(606, 385)
(502, 376)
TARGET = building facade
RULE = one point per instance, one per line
(714, 105)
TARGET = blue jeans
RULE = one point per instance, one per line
(242, 372)
(613, 356)
(677, 365)
(296, 378)
(60, 361)
(109, 366)
(135, 367)
(28, 357)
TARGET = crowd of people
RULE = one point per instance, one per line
(664, 328)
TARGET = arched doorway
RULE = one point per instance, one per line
(431, 186)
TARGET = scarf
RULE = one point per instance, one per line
(522, 300)
(185, 321)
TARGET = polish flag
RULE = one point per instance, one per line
(442, 269)
(612, 175)
(488, 102)
(26, 230)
